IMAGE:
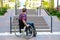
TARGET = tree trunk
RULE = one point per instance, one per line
(1, 4)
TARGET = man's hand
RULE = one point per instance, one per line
(28, 25)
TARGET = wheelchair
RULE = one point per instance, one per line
(30, 31)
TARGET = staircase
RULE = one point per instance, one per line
(29, 12)
(39, 22)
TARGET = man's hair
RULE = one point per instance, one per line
(24, 10)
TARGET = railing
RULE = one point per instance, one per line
(38, 13)
(10, 24)
(51, 19)
(15, 9)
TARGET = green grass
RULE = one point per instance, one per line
(3, 11)
(54, 12)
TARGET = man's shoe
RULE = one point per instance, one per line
(34, 35)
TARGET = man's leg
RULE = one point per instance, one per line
(19, 26)
(32, 24)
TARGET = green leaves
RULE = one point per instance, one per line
(46, 4)
(2, 12)
(54, 12)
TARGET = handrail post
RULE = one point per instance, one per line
(16, 7)
(40, 10)
(10, 24)
(51, 24)
(37, 11)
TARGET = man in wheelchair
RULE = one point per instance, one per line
(23, 23)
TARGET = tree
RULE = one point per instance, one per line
(12, 0)
(46, 4)
(52, 3)
(1, 3)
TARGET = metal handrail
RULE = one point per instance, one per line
(51, 19)
(46, 11)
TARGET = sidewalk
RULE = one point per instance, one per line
(38, 37)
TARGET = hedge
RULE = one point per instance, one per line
(3, 10)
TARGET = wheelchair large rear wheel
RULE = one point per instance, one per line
(29, 32)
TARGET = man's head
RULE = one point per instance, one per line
(24, 10)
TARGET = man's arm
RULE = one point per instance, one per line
(24, 22)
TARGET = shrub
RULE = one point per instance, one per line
(2, 12)
(58, 15)
(54, 12)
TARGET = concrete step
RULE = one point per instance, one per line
(36, 24)
(40, 27)
(43, 30)
(38, 30)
